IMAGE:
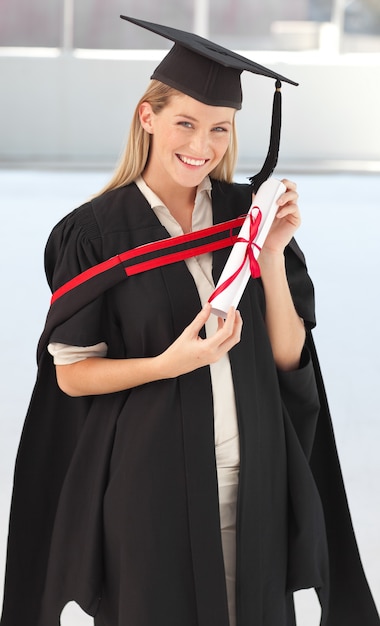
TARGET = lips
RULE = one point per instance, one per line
(193, 162)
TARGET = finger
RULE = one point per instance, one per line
(289, 197)
(228, 327)
(228, 324)
(289, 184)
(200, 319)
(222, 323)
(289, 209)
(225, 337)
(234, 337)
(224, 331)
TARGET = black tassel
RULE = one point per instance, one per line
(274, 144)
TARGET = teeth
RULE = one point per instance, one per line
(188, 161)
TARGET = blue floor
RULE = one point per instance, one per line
(340, 235)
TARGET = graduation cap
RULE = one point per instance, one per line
(211, 73)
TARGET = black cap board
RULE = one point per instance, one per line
(211, 73)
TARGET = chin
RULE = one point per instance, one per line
(193, 179)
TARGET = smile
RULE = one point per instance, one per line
(194, 162)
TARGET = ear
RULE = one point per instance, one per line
(146, 117)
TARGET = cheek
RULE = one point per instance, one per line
(172, 139)
(221, 145)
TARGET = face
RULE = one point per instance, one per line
(188, 140)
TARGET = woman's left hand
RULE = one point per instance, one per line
(286, 222)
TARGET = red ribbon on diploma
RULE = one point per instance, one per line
(254, 223)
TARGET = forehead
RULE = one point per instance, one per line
(183, 104)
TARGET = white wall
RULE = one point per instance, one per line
(74, 110)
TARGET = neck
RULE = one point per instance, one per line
(179, 200)
(171, 193)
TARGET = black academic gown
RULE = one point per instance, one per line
(115, 500)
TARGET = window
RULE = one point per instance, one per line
(24, 23)
(238, 24)
(97, 23)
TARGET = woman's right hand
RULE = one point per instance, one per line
(101, 375)
(190, 352)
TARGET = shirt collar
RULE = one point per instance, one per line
(154, 200)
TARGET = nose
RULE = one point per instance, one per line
(199, 143)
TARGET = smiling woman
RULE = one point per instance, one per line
(176, 468)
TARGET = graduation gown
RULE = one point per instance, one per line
(115, 500)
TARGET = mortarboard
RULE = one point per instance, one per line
(211, 73)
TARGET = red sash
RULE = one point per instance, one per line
(159, 253)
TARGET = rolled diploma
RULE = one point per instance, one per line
(265, 200)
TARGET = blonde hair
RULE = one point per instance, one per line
(136, 153)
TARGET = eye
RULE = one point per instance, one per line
(185, 124)
(220, 129)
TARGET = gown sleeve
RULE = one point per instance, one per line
(300, 396)
(75, 245)
(300, 284)
(298, 388)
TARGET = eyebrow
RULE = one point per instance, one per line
(194, 119)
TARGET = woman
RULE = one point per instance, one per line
(176, 466)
